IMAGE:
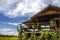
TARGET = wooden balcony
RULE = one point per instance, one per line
(52, 27)
(40, 24)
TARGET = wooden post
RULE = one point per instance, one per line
(33, 31)
(55, 26)
(52, 25)
(37, 25)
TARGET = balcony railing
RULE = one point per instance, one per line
(33, 26)
(40, 24)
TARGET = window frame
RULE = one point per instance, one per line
(45, 27)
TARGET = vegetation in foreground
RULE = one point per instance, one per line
(6, 37)
(43, 35)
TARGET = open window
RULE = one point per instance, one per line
(58, 23)
(45, 27)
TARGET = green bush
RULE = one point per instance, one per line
(20, 35)
(32, 36)
(25, 36)
(47, 35)
(43, 35)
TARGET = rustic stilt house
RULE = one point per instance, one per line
(48, 18)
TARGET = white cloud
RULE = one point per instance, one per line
(15, 24)
(21, 8)
(56, 2)
(6, 4)
(7, 31)
(11, 23)
(17, 8)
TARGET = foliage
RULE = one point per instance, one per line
(25, 36)
(20, 35)
(47, 35)
(43, 35)
(32, 36)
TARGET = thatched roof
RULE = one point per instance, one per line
(29, 21)
(50, 9)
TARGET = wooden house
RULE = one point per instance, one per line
(48, 18)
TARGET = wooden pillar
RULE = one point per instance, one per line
(55, 26)
(52, 25)
(37, 25)
(33, 31)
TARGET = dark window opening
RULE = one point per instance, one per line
(57, 23)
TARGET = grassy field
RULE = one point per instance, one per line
(8, 38)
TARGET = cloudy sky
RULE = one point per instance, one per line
(13, 12)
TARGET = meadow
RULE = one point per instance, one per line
(8, 38)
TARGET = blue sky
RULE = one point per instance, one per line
(13, 12)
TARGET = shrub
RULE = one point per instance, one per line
(47, 35)
(43, 35)
(25, 36)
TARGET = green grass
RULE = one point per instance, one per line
(8, 38)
